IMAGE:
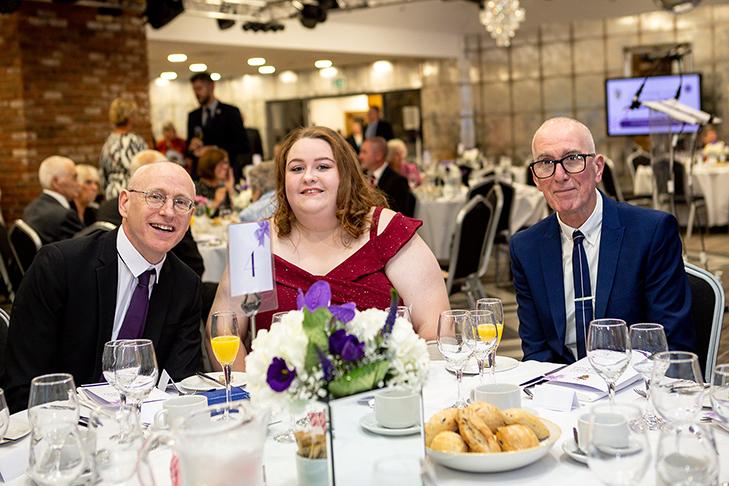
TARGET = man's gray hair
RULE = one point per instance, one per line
(53, 166)
(564, 119)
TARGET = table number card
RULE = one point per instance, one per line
(250, 258)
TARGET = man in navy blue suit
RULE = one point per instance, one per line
(632, 254)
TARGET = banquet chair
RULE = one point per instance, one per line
(9, 268)
(636, 159)
(610, 184)
(95, 228)
(25, 243)
(469, 239)
(4, 323)
(682, 196)
(707, 312)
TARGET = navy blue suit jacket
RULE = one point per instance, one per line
(640, 278)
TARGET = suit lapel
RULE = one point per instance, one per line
(161, 295)
(611, 241)
(106, 283)
(551, 255)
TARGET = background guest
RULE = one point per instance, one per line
(372, 156)
(376, 126)
(332, 225)
(356, 138)
(255, 146)
(85, 203)
(263, 192)
(397, 153)
(216, 180)
(119, 148)
(173, 146)
(50, 215)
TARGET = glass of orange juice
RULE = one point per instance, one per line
(482, 338)
(225, 341)
(493, 305)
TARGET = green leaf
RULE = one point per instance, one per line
(359, 380)
(314, 326)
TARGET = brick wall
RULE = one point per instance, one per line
(60, 69)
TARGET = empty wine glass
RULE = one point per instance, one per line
(646, 340)
(286, 436)
(608, 350)
(452, 328)
(56, 455)
(720, 392)
(482, 337)
(678, 389)
(108, 366)
(402, 470)
(618, 451)
(136, 369)
(117, 437)
(495, 306)
(687, 456)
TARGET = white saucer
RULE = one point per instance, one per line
(199, 384)
(570, 448)
(369, 423)
(16, 430)
(503, 363)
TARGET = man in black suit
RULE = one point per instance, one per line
(376, 126)
(50, 215)
(76, 294)
(215, 124)
(372, 155)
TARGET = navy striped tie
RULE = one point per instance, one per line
(583, 292)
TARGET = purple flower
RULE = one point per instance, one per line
(343, 313)
(318, 295)
(326, 366)
(279, 376)
(392, 313)
(262, 231)
(346, 345)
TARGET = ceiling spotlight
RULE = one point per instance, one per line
(215, 76)
(270, 26)
(329, 72)
(168, 75)
(177, 58)
(198, 68)
(266, 69)
(312, 14)
(382, 66)
(226, 23)
(677, 6)
(256, 61)
(323, 63)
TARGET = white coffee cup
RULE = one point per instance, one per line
(177, 407)
(503, 395)
(610, 429)
(397, 409)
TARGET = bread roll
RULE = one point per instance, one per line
(518, 416)
(516, 438)
(489, 414)
(476, 433)
(449, 441)
(444, 420)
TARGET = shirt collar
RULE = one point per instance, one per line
(590, 227)
(58, 197)
(213, 106)
(378, 172)
(134, 261)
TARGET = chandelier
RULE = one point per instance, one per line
(501, 18)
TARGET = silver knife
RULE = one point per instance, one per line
(541, 377)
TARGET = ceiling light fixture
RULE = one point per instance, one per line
(323, 63)
(177, 58)
(168, 75)
(215, 76)
(382, 66)
(198, 67)
(501, 19)
(270, 26)
(677, 6)
(256, 61)
(225, 23)
(288, 77)
(266, 69)
(329, 72)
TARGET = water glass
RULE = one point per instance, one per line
(4, 414)
(286, 436)
(136, 369)
(56, 454)
(647, 340)
(678, 389)
(403, 311)
(608, 350)
(687, 456)
(493, 305)
(117, 438)
(108, 366)
(720, 392)
(618, 451)
(452, 332)
(482, 337)
(403, 470)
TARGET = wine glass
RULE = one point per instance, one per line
(720, 392)
(452, 330)
(118, 438)
(108, 366)
(687, 456)
(288, 435)
(608, 350)
(646, 340)
(618, 451)
(678, 389)
(403, 311)
(493, 305)
(4, 414)
(136, 369)
(225, 343)
(403, 470)
(482, 337)
(56, 455)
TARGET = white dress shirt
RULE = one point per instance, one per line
(58, 197)
(378, 173)
(130, 266)
(592, 228)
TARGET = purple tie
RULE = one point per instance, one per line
(133, 326)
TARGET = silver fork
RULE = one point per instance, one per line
(640, 392)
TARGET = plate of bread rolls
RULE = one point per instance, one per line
(481, 438)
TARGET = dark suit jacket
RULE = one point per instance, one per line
(255, 147)
(225, 130)
(640, 279)
(397, 190)
(51, 220)
(63, 314)
(384, 129)
(351, 141)
(186, 250)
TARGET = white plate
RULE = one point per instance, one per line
(199, 384)
(497, 461)
(16, 430)
(368, 422)
(570, 448)
(503, 363)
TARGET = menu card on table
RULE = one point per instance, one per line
(105, 394)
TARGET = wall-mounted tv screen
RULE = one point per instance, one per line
(619, 93)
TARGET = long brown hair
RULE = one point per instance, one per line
(355, 196)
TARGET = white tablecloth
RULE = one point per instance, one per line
(215, 258)
(439, 216)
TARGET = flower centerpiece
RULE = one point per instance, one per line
(326, 352)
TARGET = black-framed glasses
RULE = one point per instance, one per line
(572, 164)
(156, 199)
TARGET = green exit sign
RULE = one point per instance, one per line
(339, 83)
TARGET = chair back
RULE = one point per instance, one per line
(495, 198)
(707, 311)
(469, 239)
(25, 243)
(662, 174)
(4, 323)
(609, 183)
(636, 159)
(9, 269)
(507, 189)
(95, 228)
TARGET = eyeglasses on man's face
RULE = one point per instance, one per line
(572, 164)
(156, 199)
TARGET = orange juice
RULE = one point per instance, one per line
(487, 331)
(500, 330)
(225, 348)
